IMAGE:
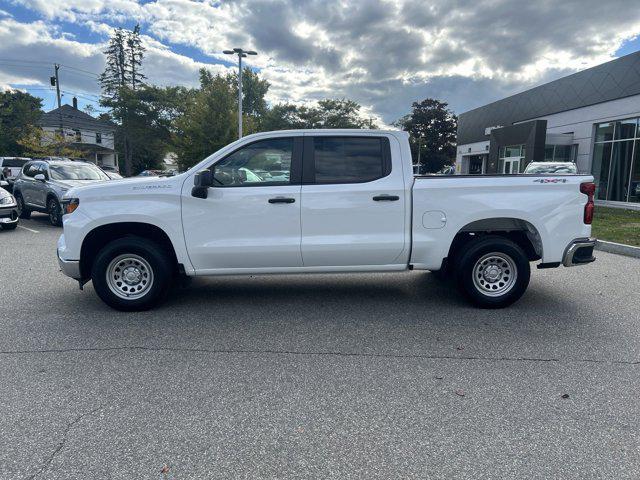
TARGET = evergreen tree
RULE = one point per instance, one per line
(117, 72)
(123, 72)
(135, 50)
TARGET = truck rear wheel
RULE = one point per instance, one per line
(493, 272)
(132, 274)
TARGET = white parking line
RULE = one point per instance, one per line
(31, 230)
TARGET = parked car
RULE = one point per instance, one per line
(150, 173)
(556, 168)
(8, 211)
(10, 167)
(42, 183)
(3, 181)
(351, 204)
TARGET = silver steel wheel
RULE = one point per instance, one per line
(494, 274)
(129, 276)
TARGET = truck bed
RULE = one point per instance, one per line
(549, 208)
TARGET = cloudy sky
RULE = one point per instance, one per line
(383, 53)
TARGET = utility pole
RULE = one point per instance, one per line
(57, 67)
(240, 96)
(55, 80)
(241, 54)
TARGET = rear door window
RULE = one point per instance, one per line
(349, 159)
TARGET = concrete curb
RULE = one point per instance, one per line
(619, 248)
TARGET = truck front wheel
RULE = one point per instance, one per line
(493, 272)
(132, 274)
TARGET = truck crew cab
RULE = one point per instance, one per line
(313, 201)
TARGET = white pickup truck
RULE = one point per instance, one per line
(314, 201)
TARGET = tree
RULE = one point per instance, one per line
(329, 113)
(432, 134)
(39, 143)
(19, 111)
(135, 51)
(254, 90)
(116, 72)
(123, 72)
(340, 113)
(208, 121)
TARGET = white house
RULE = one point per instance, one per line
(92, 136)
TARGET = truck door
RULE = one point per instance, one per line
(353, 202)
(251, 216)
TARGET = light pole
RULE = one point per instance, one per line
(241, 54)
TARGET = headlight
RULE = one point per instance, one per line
(70, 205)
(8, 200)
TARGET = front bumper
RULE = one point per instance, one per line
(9, 214)
(71, 268)
(579, 252)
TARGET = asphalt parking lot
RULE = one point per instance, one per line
(340, 376)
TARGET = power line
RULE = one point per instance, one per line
(80, 70)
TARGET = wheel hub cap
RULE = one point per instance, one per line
(492, 273)
(129, 276)
(495, 274)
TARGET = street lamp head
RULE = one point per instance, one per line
(237, 50)
(228, 52)
(251, 52)
(243, 55)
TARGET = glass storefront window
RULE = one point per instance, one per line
(604, 132)
(600, 168)
(634, 184)
(626, 129)
(512, 159)
(616, 160)
(513, 151)
(619, 171)
(563, 153)
(548, 153)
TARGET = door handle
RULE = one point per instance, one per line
(386, 198)
(282, 200)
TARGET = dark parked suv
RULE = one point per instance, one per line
(42, 183)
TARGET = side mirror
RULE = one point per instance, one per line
(201, 183)
(4, 183)
(40, 177)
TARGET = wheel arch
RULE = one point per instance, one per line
(100, 236)
(518, 230)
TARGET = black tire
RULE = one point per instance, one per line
(9, 226)
(493, 272)
(54, 211)
(23, 211)
(141, 250)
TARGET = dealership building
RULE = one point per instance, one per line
(590, 118)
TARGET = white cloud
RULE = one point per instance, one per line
(383, 53)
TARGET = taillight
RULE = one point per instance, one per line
(588, 189)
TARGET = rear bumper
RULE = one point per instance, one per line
(579, 252)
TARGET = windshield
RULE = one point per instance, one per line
(76, 171)
(551, 169)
